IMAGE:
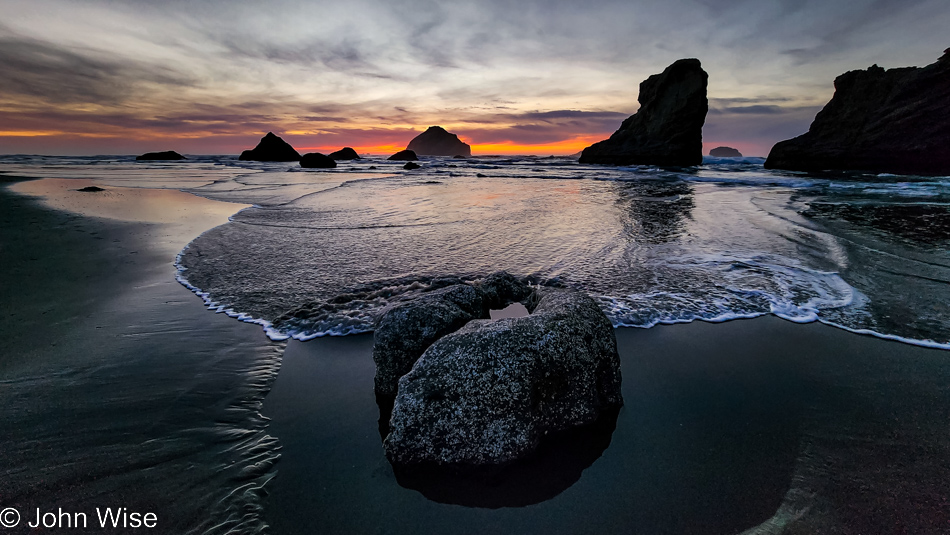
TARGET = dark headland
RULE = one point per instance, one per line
(886, 121)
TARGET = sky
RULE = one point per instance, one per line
(509, 77)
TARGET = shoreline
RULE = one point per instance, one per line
(120, 389)
(751, 426)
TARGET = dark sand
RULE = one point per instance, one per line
(117, 387)
(759, 425)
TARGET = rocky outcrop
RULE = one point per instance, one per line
(410, 166)
(164, 155)
(486, 394)
(404, 155)
(436, 141)
(668, 128)
(725, 152)
(404, 331)
(346, 153)
(271, 149)
(315, 160)
(890, 121)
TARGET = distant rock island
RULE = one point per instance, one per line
(404, 155)
(346, 153)
(885, 121)
(667, 129)
(315, 160)
(165, 155)
(271, 149)
(725, 152)
(437, 142)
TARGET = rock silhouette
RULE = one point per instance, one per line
(346, 153)
(411, 165)
(437, 142)
(315, 160)
(271, 149)
(725, 152)
(404, 155)
(668, 128)
(890, 121)
(164, 155)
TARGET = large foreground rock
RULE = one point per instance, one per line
(436, 141)
(486, 394)
(271, 149)
(405, 331)
(667, 129)
(892, 121)
(163, 155)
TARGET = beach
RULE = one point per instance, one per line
(119, 388)
(122, 389)
(757, 426)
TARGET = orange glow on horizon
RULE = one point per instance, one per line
(565, 147)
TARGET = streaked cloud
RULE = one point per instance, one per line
(369, 72)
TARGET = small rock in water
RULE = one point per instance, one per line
(411, 165)
(725, 152)
(91, 189)
(404, 155)
(315, 160)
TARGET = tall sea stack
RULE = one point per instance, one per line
(884, 121)
(437, 142)
(668, 128)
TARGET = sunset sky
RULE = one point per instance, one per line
(529, 77)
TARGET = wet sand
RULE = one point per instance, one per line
(761, 425)
(118, 387)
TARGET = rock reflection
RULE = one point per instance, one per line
(557, 464)
(655, 211)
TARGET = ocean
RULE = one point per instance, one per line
(320, 252)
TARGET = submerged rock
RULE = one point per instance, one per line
(668, 128)
(164, 155)
(488, 393)
(271, 149)
(346, 153)
(315, 160)
(436, 141)
(725, 152)
(404, 155)
(411, 165)
(886, 121)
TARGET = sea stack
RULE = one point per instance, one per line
(346, 153)
(668, 127)
(271, 149)
(725, 152)
(164, 155)
(883, 121)
(437, 142)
